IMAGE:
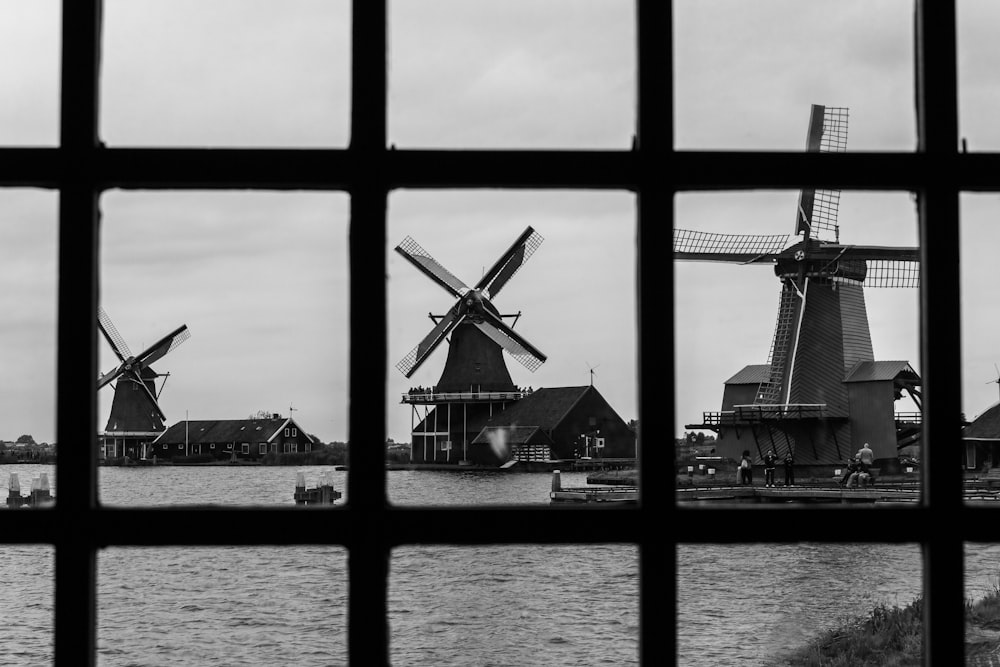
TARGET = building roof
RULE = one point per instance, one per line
(752, 374)
(228, 430)
(875, 371)
(984, 427)
(544, 407)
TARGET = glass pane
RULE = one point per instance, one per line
(539, 376)
(744, 72)
(246, 605)
(815, 346)
(29, 72)
(225, 73)
(982, 592)
(26, 637)
(979, 233)
(799, 604)
(224, 321)
(514, 605)
(978, 59)
(28, 232)
(512, 74)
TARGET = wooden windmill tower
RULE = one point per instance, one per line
(821, 393)
(475, 380)
(136, 418)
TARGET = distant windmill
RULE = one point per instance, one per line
(477, 329)
(997, 381)
(822, 341)
(135, 407)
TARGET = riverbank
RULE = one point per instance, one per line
(893, 637)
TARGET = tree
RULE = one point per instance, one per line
(26, 440)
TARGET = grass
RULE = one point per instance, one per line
(893, 636)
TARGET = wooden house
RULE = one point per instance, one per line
(232, 439)
(557, 423)
(982, 440)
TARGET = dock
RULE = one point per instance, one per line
(323, 494)
(39, 496)
(589, 494)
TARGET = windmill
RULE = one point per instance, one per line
(136, 417)
(811, 390)
(475, 379)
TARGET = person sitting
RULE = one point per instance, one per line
(853, 467)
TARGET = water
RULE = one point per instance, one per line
(489, 605)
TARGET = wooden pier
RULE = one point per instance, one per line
(324, 494)
(588, 494)
(39, 496)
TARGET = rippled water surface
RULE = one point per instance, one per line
(476, 606)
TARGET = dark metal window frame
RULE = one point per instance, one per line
(80, 168)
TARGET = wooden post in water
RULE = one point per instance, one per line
(14, 491)
(556, 481)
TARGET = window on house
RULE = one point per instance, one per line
(294, 432)
(286, 432)
(654, 170)
(263, 448)
(245, 448)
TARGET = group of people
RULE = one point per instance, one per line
(770, 463)
(858, 472)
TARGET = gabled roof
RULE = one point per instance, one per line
(228, 430)
(984, 427)
(752, 374)
(874, 371)
(544, 407)
(512, 435)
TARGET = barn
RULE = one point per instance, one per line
(232, 439)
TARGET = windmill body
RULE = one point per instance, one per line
(475, 381)
(135, 418)
(821, 394)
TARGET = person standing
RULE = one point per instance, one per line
(866, 457)
(770, 459)
(746, 468)
(789, 471)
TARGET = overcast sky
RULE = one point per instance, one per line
(261, 278)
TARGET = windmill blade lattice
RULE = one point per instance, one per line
(422, 259)
(510, 262)
(513, 345)
(817, 211)
(742, 248)
(115, 339)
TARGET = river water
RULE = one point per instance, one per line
(476, 606)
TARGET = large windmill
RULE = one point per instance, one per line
(821, 393)
(136, 417)
(475, 379)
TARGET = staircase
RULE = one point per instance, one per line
(769, 393)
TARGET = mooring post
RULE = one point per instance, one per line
(556, 481)
(14, 491)
(300, 487)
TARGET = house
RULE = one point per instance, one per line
(982, 440)
(553, 424)
(237, 439)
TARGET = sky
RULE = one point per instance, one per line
(260, 278)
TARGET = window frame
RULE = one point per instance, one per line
(81, 168)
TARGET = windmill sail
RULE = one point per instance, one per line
(816, 216)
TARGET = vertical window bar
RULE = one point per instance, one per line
(654, 150)
(368, 629)
(75, 569)
(940, 315)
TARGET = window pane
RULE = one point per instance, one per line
(259, 280)
(978, 59)
(250, 605)
(745, 71)
(979, 233)
(26, 637)
(814, 364)
(225, 73)
(29, 72)
(754, 604)
(28, 233)
(565, 392)
(512, 74)
(514, 605)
